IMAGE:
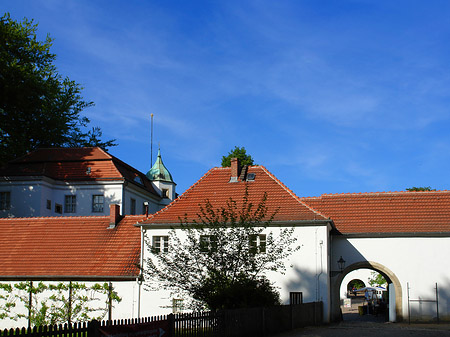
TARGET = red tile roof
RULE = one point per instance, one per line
(215, 187)
(72, 164)
(69, 248)
(386, 212)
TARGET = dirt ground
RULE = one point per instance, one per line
(369, 325)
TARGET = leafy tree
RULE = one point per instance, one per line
(418, 189)
(241, 154)
(221, 259)
(38, 107)
(377, 280)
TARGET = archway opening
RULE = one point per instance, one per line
(360, 306)
(352, 286)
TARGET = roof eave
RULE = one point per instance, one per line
(85, 278)
(285, 223)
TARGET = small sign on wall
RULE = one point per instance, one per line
(347, 302)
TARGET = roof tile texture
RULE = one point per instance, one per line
(75, 164)
(215, 186)
(386, 212)
(69, 246)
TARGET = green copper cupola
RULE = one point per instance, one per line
(159, 172)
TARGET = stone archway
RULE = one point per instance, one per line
(387, 274)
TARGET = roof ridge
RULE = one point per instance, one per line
(291, 192)
(377, 193)
(183, 195)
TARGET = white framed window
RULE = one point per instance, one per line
(132, 206)
(208, 243)
(70, 204)
(97, 203)
(258, 243)
(160, 244)
(5, 201)
(177, 305)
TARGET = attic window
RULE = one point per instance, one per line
(251, 176)
(138, 180)
(88, 170)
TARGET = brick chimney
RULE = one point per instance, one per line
(114, 215)
(235, 170)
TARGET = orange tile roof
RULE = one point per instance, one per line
(215, 187)
(69, 248)
(71, 164)
(386, 212)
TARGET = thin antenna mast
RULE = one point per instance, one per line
(151, 141)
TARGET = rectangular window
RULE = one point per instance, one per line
(258, 243)
(97, 203)
(49, 204)
(58, 208)
(177, 305)
(5, 201)
(165, 193)
(70, 204)
(295, 297)
(160, 244)
(132, 206)
(208, 243)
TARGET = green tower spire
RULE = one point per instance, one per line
(159, 172)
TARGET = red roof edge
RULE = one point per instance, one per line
(292, 193)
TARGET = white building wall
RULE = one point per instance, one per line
(306, 271)
(29, 198)
(420, 261)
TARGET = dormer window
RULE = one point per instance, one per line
(165, 193)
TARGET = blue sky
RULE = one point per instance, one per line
(330, 96)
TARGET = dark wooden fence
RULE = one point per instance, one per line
(226, 323)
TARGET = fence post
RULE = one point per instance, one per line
(171, 319)
(93, 328)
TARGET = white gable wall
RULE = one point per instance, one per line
(420, 261)
(306, 271)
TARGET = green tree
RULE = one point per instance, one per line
(419, 189)
(377, 280)
(241, 154)
(38, 107)
(221, 259)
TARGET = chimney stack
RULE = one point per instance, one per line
(114, 215)
(235, 170)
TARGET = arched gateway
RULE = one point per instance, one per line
(387, 274)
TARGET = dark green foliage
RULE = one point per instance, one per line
(38, 107)
(221, 292)
(241, 154)
(419, 189)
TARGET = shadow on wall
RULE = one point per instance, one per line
(312, 285)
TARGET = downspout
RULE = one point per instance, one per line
(321, 266)
(141, 275)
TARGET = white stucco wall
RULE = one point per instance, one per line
(29, 197)
(306, 271)
(420, 261)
